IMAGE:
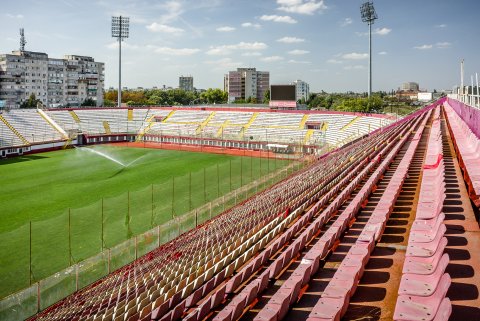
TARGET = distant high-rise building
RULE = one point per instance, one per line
(185, 83)
(246, 83)
(302, 89)
(55, 82)
(410, 86)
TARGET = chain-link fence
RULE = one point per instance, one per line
(86, 244)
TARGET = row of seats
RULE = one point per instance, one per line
(424, 283)
(467, 146)
(336, 296)
(247, 295)
(250, 268)
(267, 126)
(31, 125)
(7, 137)
(155, 279)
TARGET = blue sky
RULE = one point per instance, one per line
(321, 42)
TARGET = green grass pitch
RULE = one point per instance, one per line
(80, 203)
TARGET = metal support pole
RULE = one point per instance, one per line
(103, 241)
(30, 254)
(478, 93)
(129, 233)
(151, 220)
(69, 238)
(370, 60)
(120, 65)
(241, 171)
(190, 193)
(173, 195)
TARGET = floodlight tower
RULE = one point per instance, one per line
(120, 26)
(369, 16)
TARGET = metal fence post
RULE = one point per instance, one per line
(151, 219)
(30, 254)
(69, 238)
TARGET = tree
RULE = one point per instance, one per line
(31, 102)
(108, 103)
(89, 102)
(214, 96)
(266, 96)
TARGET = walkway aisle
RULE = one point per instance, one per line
(376, 294)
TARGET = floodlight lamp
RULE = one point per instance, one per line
(368, 12)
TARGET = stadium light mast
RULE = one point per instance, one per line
(369, 16)
(120, 30)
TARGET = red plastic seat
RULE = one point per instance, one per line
(421, 308)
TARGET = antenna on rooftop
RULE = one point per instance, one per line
(23, 42)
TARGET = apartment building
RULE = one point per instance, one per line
(410, 86)
(66, 82)
(185, 83)
(302, 89)
(246, 83)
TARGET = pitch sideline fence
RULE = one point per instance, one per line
(46, 291)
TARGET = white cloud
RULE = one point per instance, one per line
(423, 47)
(252, 54)
(346, 22)
(334, 61)
(173, 10)
(298, 52)
(224, 63)
(441, 26)
(290, 40)
(307, 7)
(355, 56)
(382, 53)
(157, 27)
(225, 29)
(251, 25)
(14, 16)
(355, 67)
(293, 61)
(227, 49)
(177, 51)
(275, 18)
(271, 59)
(382, 31)
(443, 45)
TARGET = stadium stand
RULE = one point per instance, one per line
(27, 127)
(217, 270)
(313, 235)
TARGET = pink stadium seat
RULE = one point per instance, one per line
(425, 266)
(427, 225)
(427, 236)
(218, 297)
(444, 311)
(225, 314)
(327, 309)
(267, 314)
(421, 284)
(427, 249)
(421, 308)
